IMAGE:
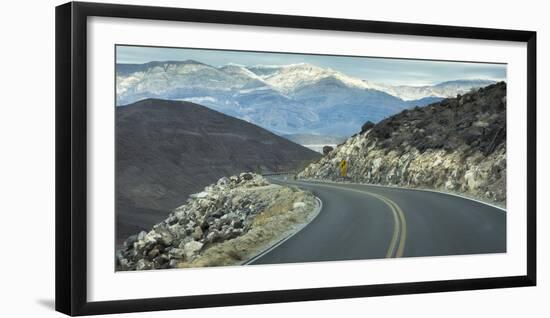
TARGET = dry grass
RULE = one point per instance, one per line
(276, 222)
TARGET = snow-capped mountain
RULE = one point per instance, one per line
(289, 78)
(286, 99)
(243, 75)
(166, 79)
(445, 89)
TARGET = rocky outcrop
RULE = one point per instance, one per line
(327, 149)
(224, 212)
(456, 145)
(367, 126)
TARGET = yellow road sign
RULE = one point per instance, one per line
(343, 168)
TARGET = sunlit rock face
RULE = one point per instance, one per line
(456, 145)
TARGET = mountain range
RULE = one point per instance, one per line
(446, 89)
(285, 99)
(167, 150)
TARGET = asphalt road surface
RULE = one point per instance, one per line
(369, 222)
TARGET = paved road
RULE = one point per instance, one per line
(366, 222)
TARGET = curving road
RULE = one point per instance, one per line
(366, 222)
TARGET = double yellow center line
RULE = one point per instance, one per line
(399, 236)
(397, 243)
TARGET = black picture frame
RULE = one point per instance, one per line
(71, 157)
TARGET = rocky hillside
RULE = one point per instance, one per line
(456, 145)
(167, 150)
(229, 222)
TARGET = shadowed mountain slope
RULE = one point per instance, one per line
(166, 150)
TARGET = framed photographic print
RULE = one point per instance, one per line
(208, 158)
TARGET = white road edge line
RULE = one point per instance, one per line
(272, 247)
(411, 189)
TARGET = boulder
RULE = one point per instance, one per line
(197, 233)
(298, 205)
(212, 237)
(223, 181)
(161, 261)
(124, 264)
(143, 264)
(176, 253)
(192, 248)
(129, 243)
(166, 238)
(141, 235)
(173, 263)
(327, 149)
(367, 126)
(153, 253)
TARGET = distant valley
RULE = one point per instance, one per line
(315, 142)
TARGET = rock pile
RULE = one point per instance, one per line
(223, 211)
(456, 145)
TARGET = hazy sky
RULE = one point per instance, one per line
(390, 71)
